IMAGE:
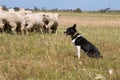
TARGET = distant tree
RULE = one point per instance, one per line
(36, 8)
(4, 7)
(16, 8)
(70, 10)
(28, 9)
(77, 10)
(104, 10)
(56, 9)
(43, 9)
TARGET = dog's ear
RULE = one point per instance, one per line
(74, 26)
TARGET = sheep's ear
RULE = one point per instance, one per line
(74, 26)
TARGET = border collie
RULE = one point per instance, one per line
(81, 43)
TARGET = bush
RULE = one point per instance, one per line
(77, 10)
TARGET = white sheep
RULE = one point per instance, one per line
(25, 20)
(33, 22)
(14, 20)
(51, 20)
(11, 10)
(2, 21)
(1, 8)
(25, 12)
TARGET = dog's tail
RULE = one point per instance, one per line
(99, 55)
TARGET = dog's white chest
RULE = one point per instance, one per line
(73, 41)
(77, 47)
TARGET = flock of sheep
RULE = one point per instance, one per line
(25, 21)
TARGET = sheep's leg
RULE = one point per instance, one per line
(44, 29)
(23, 29)
(49, 26)
(27, 29)
(41, 30)
(1, 27)
(14, 26)
(47, 29)
(54, 27)
(1, 30)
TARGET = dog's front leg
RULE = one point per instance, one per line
(78, 51)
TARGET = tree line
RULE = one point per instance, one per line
(103, 10)
(44, 9)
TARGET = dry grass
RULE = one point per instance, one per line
(43, 57)
(90, 19)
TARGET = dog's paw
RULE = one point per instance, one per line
(76, 56)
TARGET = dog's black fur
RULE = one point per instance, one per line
(86, 46)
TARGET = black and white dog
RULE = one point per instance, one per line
(81, 43)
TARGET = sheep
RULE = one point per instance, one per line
(14, 20)
(33, 22)
(2, 21)
(1, 8)
(51, 21)
(25, 12)
(24, 20)
(11, 10)
(1, 26)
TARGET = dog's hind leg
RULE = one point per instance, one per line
(78, 51)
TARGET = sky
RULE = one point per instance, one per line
(63, 4)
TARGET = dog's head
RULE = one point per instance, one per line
(71, 30)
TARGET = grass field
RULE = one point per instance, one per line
(51, 56)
